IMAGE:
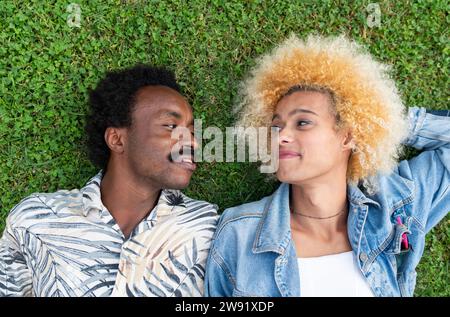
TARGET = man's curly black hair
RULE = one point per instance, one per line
(112, 103)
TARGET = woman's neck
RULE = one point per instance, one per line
(320, 208)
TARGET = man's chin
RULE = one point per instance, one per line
(177, 186)
(178, 183)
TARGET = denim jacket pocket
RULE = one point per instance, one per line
(238, 293)
(399, 247)
(396, 246)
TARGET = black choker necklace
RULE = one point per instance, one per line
(313, 217)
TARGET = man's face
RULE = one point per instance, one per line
(159, 114)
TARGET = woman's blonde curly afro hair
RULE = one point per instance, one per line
(366, 98)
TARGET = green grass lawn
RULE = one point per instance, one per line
(47, 67)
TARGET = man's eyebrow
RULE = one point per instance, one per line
(277, 116)
(174, 114)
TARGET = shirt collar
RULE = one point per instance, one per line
(91, 195)
(169, 202)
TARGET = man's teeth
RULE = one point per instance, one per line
(186, 160)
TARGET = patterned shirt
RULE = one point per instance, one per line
(67, 244)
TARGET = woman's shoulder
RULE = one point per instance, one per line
(245, 216)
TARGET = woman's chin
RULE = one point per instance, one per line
(290, 178)
(285, 177)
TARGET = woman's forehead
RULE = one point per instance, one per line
(312, 102)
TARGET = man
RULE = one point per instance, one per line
(129, 231)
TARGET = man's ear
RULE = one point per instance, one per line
(114, 138)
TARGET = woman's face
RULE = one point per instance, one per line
(310, 147)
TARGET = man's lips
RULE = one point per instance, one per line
(187, 162)
(288, 155)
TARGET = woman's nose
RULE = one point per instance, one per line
(285, 136)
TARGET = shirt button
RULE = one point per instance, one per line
(363, 257)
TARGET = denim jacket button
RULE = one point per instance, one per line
(363, 257)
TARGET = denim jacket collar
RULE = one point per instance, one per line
(274, 233)
(366, 247)
(357, 197)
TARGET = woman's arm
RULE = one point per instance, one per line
(430, 170)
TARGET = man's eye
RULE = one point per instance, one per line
(171, 126)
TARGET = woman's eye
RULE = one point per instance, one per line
(302, 123)
(171, 126)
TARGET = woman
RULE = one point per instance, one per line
(347, 220)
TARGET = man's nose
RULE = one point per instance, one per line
(187, 138)
(194, 142)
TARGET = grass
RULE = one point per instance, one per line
(47, 67)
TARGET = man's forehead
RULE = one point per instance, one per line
(160, 99)
(154, 106)
(158, 93)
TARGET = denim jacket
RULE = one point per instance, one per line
(252, 253)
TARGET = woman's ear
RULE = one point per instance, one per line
(348, 142)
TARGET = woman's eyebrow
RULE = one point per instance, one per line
(301, 110)
(277, 116)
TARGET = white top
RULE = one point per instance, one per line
(335, 275)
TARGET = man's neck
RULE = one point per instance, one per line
(129, 200)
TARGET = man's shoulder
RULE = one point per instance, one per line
(199, 212)
(199, 205)
(42, 206)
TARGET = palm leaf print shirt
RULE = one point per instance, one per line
(67, 244)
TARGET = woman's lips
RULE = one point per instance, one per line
(288, 155)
